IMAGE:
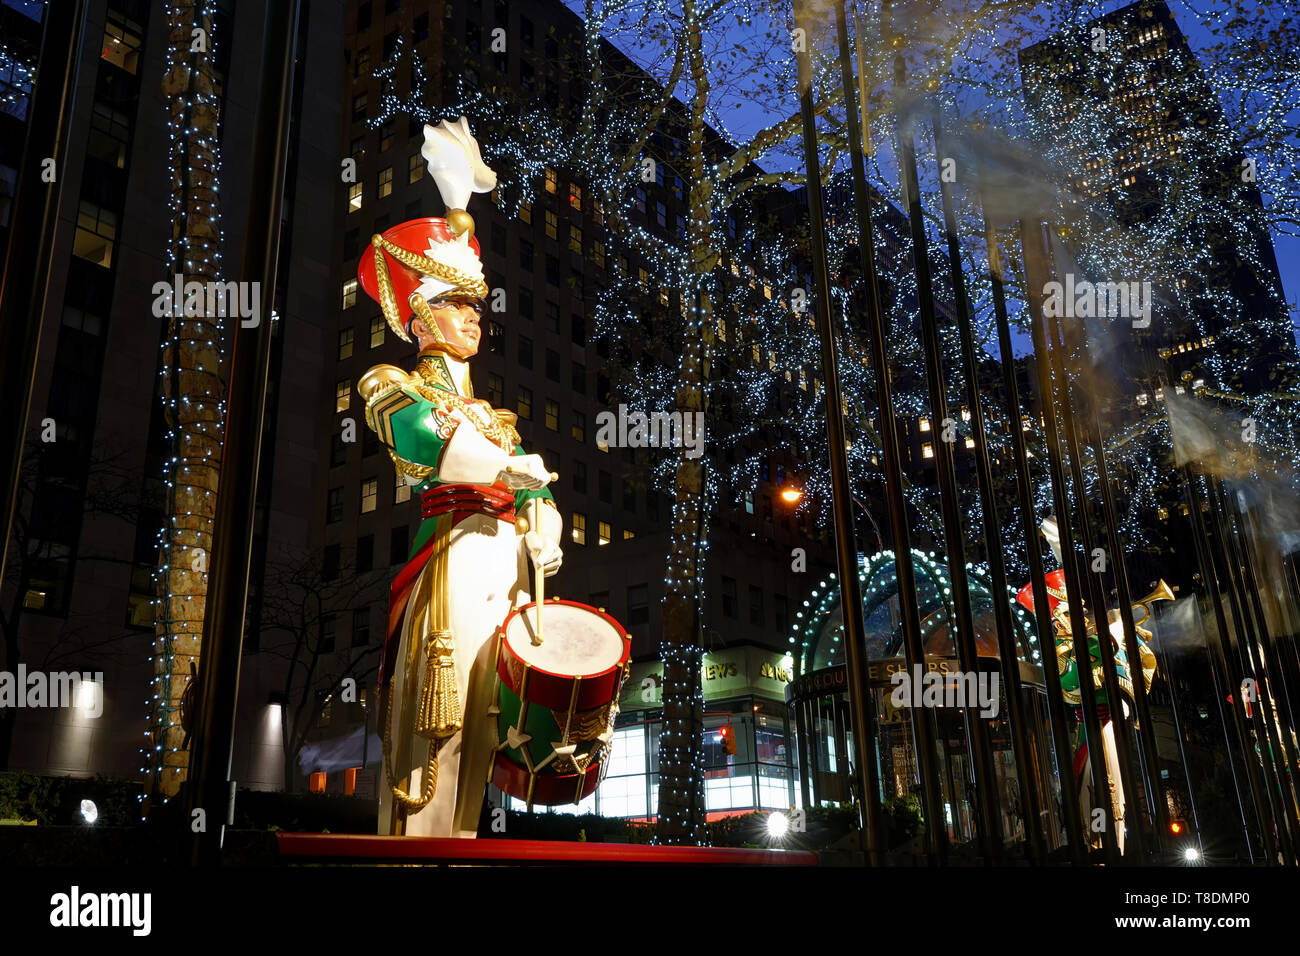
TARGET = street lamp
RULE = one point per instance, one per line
(792, 495)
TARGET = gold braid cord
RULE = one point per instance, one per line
(432, 267)
(423, 265)
(388, 298)
(438, 714)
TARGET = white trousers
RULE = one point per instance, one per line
(486, 576)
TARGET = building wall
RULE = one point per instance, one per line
(104, 382)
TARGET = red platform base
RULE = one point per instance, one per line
(364, 848)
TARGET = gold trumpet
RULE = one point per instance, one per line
(1162, 592)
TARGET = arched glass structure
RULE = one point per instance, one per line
(819, 625)
(818, 696)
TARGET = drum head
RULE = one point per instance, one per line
(576, 640)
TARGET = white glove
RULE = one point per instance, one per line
(470, 458)
(525, 472)
(543, 545)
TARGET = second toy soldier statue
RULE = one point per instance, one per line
(469, 561)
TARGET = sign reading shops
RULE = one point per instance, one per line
(733, 672)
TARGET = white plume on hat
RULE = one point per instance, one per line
(454, 252)
(455, 163)
(457, 166)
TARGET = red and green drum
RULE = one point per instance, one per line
(555, 702)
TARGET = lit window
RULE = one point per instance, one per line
(349, 294)
(386, 182)
(415, 168)
(346, 338)
(925, 424)
(552, 225)
(96, 234)
(575, 196)
(524, 403)
(401, 491)
(579, 529)
(722, 329)
(343, 395)
(354, 197)
(552, 181)
(553, 415)
(602, 532)
(965, 414)
(526, 212)
(578, 426)
(121, 42)
(369, 495)
(575, 239)
(377, 328)
(316, 782)
(927, 450)
(496, 389)
(628, 534)
(598, 252)
(970, 442)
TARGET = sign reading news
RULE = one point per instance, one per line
(734, 672)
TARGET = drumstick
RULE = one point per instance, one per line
(538, 572)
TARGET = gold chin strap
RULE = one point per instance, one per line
(421, 264)
(420, 306)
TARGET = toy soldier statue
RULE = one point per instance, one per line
(468, 562)
(1068, 667)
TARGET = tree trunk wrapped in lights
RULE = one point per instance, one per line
(189, 384)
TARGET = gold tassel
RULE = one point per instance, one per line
(439, 713)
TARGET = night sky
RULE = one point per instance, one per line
(753, 114)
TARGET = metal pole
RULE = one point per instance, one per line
(1062, 750)
(223, 625)
(981, 760)
(1224, 675)
(1270, 750)
(1253, 555)
(900, 536)
(1182, 758)
(1008, 655)
(1146, 734)
(1109, 675)
(1276, 688)
(864, 730)
(32, 223)
(1035, 254)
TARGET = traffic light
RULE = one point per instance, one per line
(728, 735)
(1177, 827)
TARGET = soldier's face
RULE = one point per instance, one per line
(458, 323)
